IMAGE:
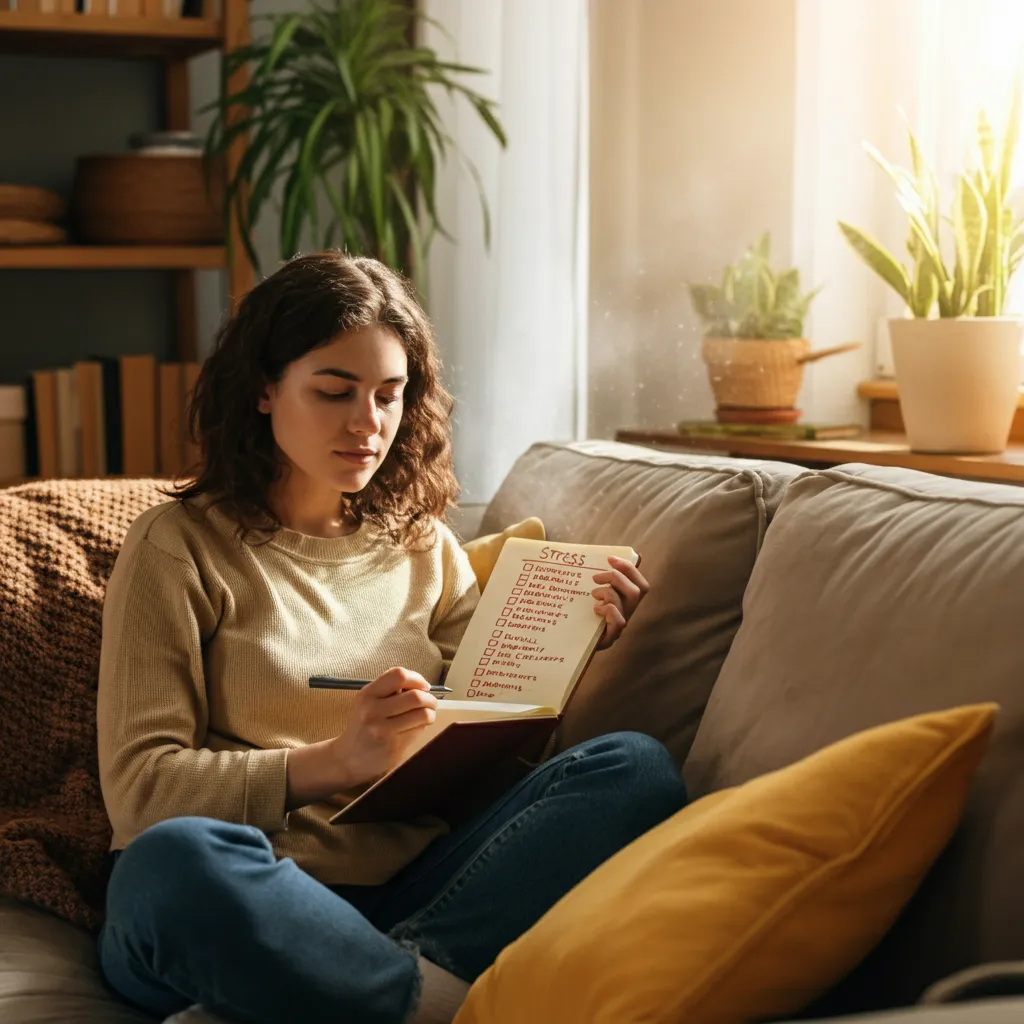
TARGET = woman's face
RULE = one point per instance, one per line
(335, 411)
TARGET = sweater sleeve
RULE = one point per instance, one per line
(460, 595)
(152, 710)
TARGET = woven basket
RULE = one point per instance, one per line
(749, 373)
(28, 232)
(132, 199)
(26, 202)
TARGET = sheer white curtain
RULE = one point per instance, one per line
(861, 69)
(510, 319)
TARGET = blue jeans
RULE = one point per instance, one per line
(200, 910)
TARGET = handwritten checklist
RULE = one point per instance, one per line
(535, 626)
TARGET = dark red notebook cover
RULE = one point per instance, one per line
(438, 776)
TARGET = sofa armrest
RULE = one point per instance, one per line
(983, 981)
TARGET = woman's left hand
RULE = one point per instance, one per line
(622, 589)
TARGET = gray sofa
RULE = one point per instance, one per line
(788, 609)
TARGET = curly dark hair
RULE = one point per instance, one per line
(305, 304)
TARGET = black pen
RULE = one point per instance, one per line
(334, 683)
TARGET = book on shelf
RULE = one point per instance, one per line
(524, 652)
(110, 416)
(92, 425)
(44, 421)
(171, 437)
(773, 431)
(31, 440)
(139, 414)
(120, 8)
(68, 424)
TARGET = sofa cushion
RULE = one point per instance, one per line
(58, 542)
(749, 902)
(49, 973)
(698, 524)
(881, 594)
(483, 551)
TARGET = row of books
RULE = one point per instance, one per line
(119, 8)
(116, 416)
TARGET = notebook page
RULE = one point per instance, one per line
(535, 625)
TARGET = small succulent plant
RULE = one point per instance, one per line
(753, 301)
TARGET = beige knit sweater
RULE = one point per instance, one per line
(208, 645)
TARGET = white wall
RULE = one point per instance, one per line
(692, 142)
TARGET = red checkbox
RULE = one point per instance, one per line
(496, 633)
(528, 567)
(513, 600)
(501, 622)
(518, 591)
(522, 581)
(479, 672)
(506, 610)
(485, 661)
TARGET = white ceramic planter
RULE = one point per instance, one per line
(958, 381)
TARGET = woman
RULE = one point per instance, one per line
(312, 542)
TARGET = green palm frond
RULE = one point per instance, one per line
(339, 113)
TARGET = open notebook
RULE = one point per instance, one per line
(525, 649)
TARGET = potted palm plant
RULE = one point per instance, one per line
(958, 373)
(339, 109)
(753, 344)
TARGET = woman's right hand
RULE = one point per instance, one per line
(386, 717)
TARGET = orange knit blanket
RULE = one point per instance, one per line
(58, 542)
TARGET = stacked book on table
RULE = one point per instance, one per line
(123, 416)
(769, 431)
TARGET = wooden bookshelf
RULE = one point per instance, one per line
(113, 257)
(172, 42)
(104, 35)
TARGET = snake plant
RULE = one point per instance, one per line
(988, 242)
(753, 301)
(339, 107)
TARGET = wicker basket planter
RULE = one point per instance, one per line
(748, 373)
(755, 373)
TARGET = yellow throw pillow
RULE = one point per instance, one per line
(749, 903)
(483, 551)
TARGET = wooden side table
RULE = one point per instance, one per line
(883, 400)
(875, 449)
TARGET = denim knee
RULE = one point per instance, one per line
(646, 776)
(173, 875)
